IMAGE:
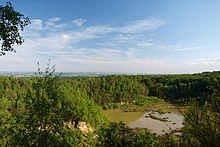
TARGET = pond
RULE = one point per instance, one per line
(159, 123)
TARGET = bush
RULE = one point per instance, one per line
(147, 100)
(119, 135)
(115, 134)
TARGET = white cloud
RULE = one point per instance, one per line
(61, 42)
(183, 49)
(40, 29)
(51, 21)
(62, 25)
(177, 47)
(145, 43)
(124, 38)
(54, 19)
(134, 65)
(36, 24)
(97, 30)
(43, 27)
(78, 22)
(205, 62)
(66, 37)
(141, 25)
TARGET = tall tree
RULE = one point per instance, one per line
(11, 23)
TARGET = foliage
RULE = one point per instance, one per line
(34, 110)
(115, 134)
(202, 126)
(5, 119)
(119, 135)
(144, 138)
(109, 90)
(202, 121)
(11, 23)
(43, 114)
(70, 137)
(169, 140)
(147, 101)
(40, 115)
(176, 87)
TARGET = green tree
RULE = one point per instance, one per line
(144, 138)
(201, 126)
(51, 115)
(5, 119)
(115, 135)
(120, 135)
(11, 23)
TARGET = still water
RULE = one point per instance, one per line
(174, 122)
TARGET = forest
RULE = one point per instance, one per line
(47, 109)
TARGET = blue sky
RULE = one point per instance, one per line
(132, 36)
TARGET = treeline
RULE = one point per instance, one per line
(108, 89)
(176, 87)
(127, 88)
(122, 88)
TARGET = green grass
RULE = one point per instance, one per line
(133, 112)
(117, 115)
(166, 107)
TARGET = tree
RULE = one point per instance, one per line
(42, 120)
(120, 135)
(5, 119)
(144, 138)
(201, 126)
(51, 115)
(115, 134)
(11, 23)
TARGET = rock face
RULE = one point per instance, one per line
(84, 128)
(69, 124)
(81, 126)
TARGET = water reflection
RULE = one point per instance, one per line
(174, 122)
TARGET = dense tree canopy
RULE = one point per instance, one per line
(41, 112)
(11, 23)
(34, 110)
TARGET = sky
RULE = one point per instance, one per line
(126, 36)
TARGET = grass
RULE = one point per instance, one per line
(117, 115)
(132, 113)
(166, 107)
